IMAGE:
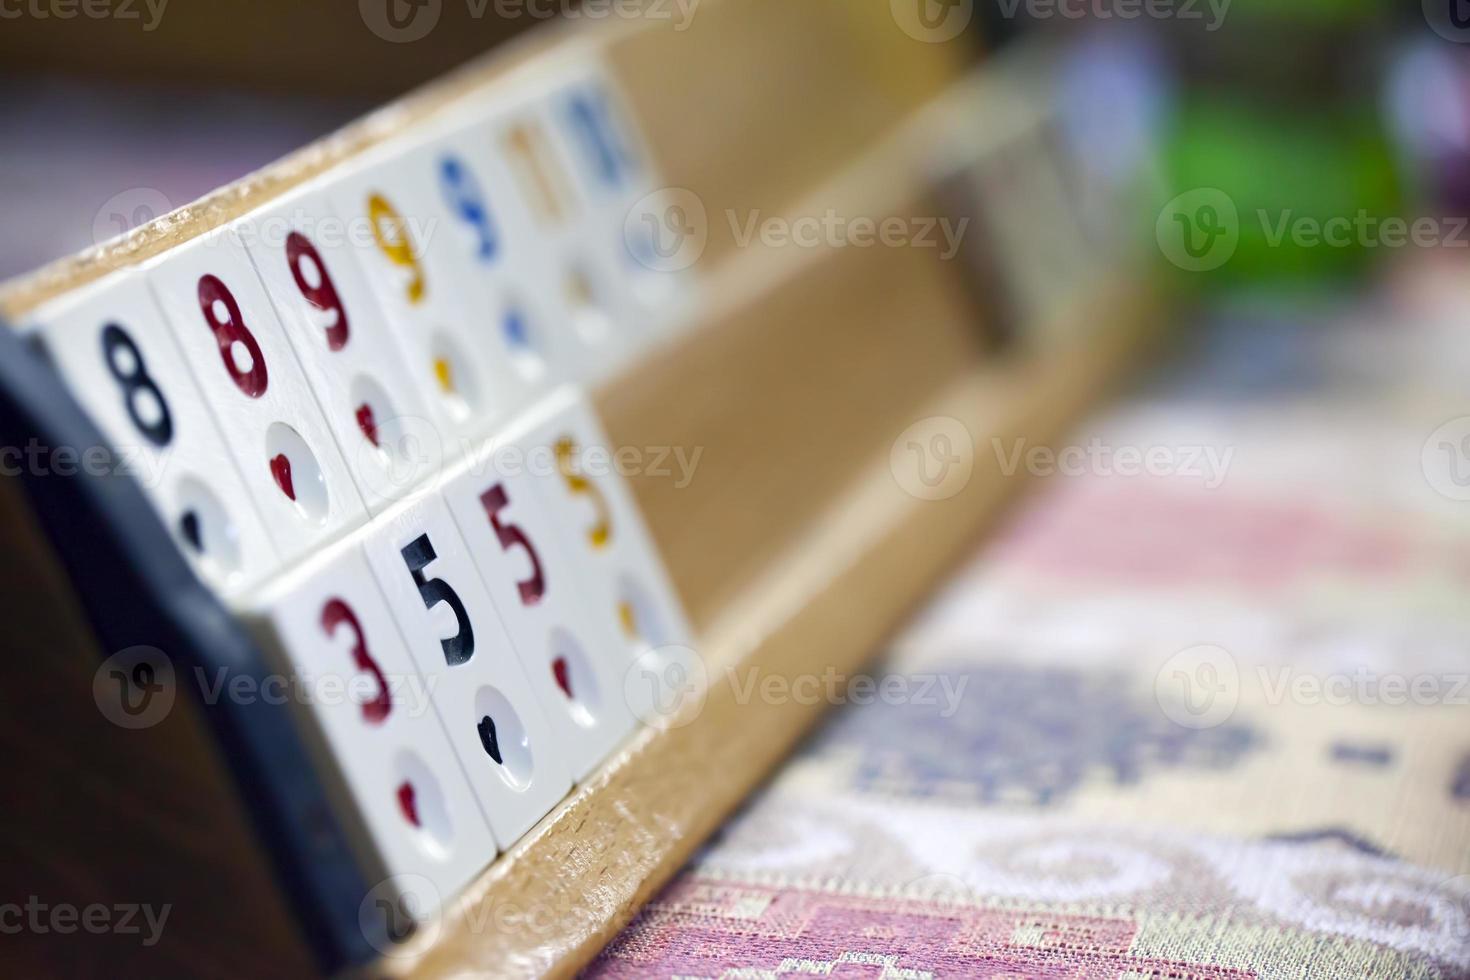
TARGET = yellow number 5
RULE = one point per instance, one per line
(599, 533)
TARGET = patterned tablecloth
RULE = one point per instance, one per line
(1201, 709)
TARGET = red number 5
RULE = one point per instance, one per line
(231, 331)
(511, 536)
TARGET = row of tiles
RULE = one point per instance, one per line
(466, 658)
(276, 382)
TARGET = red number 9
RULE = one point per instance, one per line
(323, 295)
(230, 332)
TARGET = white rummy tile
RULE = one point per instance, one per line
(495, 723)
(618, 572)
(120, 361)
(491, 248)
(652, 234)
(359, 693)
(304, 254)
(459, 353)
(575, 661)
(238, 354)
(579, 257)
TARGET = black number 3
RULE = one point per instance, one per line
(134, 378)
(416, 555)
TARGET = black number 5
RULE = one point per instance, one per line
(416, 555)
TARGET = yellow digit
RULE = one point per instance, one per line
(391, 233)
(628, 619)
(599, 533)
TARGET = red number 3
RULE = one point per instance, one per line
(232, 331)
(334, 614)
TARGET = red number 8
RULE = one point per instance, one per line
(231, 332)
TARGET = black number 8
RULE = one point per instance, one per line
(134, 378)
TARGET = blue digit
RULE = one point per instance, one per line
(462, 193)
(598, 134)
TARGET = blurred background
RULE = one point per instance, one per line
(1300, 113)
